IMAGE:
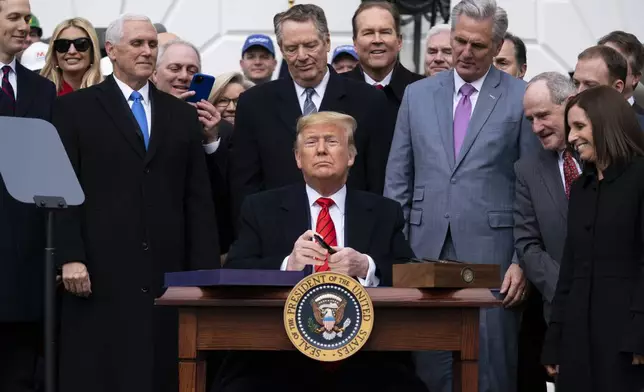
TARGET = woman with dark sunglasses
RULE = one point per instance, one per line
(73, 59)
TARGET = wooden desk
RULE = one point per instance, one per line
(251, 318)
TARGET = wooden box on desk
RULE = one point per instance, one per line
(427, 273)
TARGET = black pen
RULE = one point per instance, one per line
(326, 246)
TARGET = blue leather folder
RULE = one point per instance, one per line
(234, 277)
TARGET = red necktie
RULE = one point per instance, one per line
(326, 229)
(379, 86)
(570, 171)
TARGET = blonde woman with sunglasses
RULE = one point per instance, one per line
(73, 58)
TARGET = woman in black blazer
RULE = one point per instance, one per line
(595, 340)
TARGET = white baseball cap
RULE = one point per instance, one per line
(34, 56)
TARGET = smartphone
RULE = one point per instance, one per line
(201, 84)
(323, 244)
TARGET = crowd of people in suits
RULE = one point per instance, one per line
(467, 162)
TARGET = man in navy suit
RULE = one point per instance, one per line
(276, 232)
(24, 94)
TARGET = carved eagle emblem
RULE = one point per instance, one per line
(329, 317)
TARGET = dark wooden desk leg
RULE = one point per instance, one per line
(192, 365)
(465, 364)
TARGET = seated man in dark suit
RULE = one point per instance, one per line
(276, 232)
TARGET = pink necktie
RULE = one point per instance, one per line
(462, 116)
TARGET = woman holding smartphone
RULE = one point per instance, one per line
(73, 58)
(595, 340)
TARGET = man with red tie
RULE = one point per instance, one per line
(377, 39)
(543, 183)
(364, 230)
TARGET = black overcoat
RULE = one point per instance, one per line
(22, 229)
(145, 213)
(597, 320)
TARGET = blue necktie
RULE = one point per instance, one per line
(139, 114)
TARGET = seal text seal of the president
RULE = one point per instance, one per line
(328, 316)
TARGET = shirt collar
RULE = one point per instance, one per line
(12, 64)
(319, 89)
(477, 84)
(127, 90)
(339, 198)
(383, 82)
(575, 155)
(631, 100)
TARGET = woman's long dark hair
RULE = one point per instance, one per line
(617, 135)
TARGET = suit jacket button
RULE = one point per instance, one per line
(145, 246)
(147, 170)
(446, 216)
(588, 227)
(453, 181)
(144, 290)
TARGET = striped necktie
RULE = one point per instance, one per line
(309, 106)
(326, 229)
(8, 97)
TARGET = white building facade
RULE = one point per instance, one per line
(555, 31)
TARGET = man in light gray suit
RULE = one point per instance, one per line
(542, 185)
(451, 167)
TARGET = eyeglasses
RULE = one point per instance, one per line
(81, 44)
(224, 102)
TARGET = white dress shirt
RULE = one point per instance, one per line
(211, 148)
(145, 93)
(336, 211)
(317, 96)
(631, 101)
(459, 82)
(383, 82)
(561, 168)
(13, 80)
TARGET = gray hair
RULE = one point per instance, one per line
(482, 10)
(114, 32)
(302, 13)
(560, 86)
(441, 28)
(163, 48)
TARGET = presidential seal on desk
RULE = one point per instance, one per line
(328, 316)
